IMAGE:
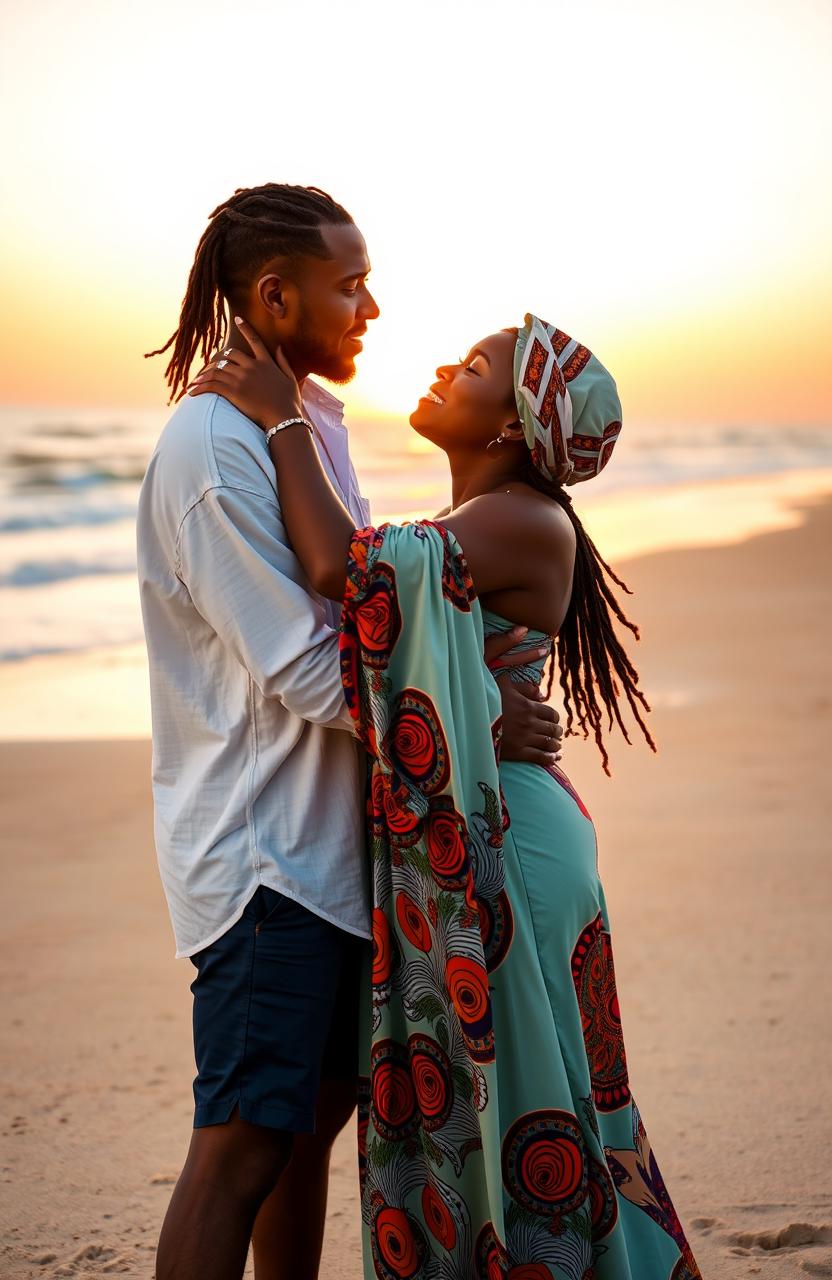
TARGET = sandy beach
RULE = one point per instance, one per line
(714, 856)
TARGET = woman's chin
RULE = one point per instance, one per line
(423, 420)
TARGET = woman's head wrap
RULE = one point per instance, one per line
(567, 402)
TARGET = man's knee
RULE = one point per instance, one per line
(246, 1160)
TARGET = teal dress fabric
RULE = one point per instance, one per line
(498, 1136)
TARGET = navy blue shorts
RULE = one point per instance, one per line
(275, 1011)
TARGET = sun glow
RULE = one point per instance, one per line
(646, 177)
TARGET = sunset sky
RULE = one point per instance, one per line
(653, 178)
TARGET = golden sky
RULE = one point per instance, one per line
(653, 178)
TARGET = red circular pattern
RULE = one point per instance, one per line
(415, 747)
(413, 924)
(416, 744)
(394, 1112)
(400, 1242)
(544, 1164)
(467, 983)
(552, 1168)
(530, 1271)
(430, 1069)
(447, 844)
(393, 1097)
(373, 620)
(438, 1217)
(378, 618)
(382, 948)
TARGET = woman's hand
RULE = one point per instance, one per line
(263, 389)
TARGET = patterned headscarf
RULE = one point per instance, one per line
(567, 402)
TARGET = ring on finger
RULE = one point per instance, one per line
(221, 364)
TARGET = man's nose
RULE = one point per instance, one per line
(370, 308)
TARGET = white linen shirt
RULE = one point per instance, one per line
(257, 777)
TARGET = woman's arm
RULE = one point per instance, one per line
(320, 527)
(318, 524)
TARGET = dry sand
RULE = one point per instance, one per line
(714, 857)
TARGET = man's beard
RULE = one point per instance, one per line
(320, 359)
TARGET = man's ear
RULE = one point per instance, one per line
(271, 292)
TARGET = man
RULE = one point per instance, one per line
(257, 777)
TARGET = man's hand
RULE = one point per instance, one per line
(531, 729)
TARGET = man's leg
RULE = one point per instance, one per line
(230, 1171)
(289, 1231)
(263, 1005)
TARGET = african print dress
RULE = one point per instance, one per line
(497, 1133)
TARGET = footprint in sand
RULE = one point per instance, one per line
(794, 1238)
(819, 1265)
(103, 1259)
(790, 1237)
(706, 1225)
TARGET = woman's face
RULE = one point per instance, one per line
(471, 401)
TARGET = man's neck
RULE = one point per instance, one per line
(236, 340)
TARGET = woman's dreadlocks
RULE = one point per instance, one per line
(593, 665)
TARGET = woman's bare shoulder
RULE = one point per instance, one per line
(523, 513)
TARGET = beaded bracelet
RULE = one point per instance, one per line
(288, 422)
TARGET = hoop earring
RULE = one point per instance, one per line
(499, 440)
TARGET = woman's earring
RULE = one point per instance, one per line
(499, 441)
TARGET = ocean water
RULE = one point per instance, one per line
(69, 483)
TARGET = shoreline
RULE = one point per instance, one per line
(102, 693)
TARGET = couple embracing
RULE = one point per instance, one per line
(385, 881)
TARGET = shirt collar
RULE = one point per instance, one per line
(317, 397)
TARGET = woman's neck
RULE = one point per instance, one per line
(473, 476)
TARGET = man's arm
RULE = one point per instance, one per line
(247, 584)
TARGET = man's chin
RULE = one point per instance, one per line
(338, 371)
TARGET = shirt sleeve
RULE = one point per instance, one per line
(248, 585)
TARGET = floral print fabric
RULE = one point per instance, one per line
(497, 1134)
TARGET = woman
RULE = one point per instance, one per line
(498, 1134)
